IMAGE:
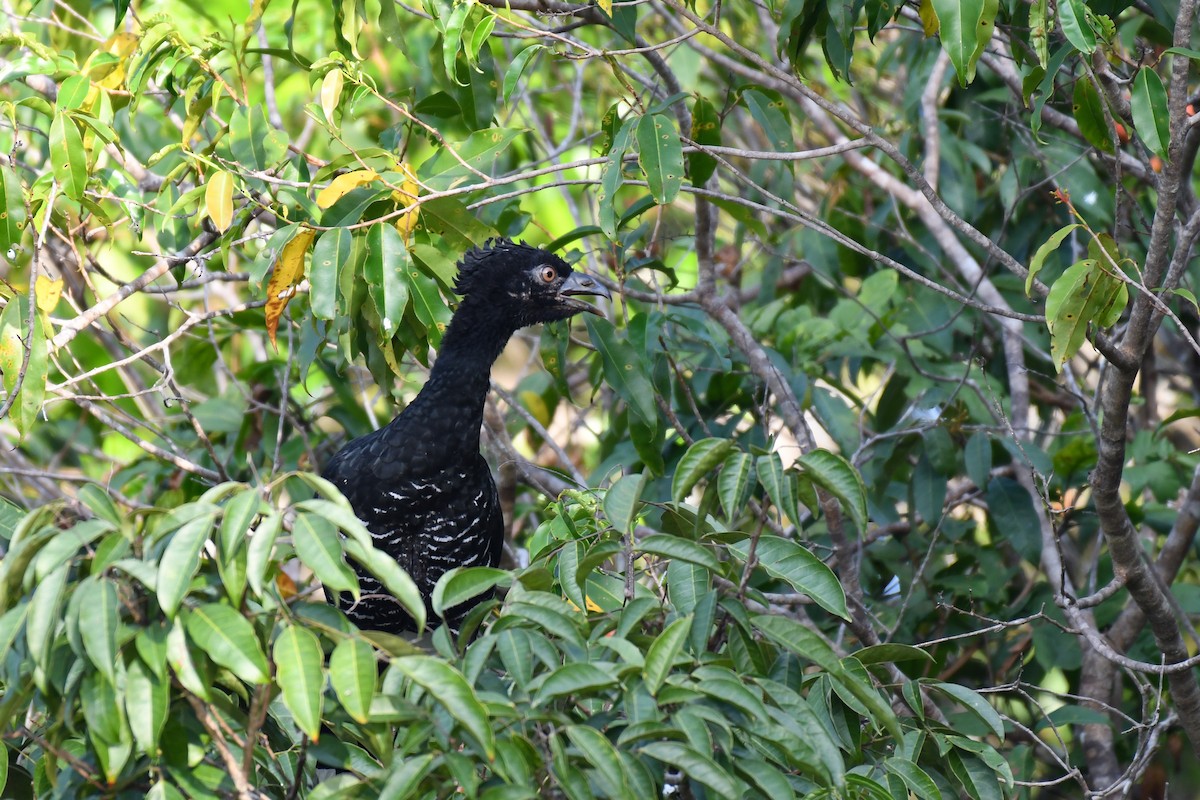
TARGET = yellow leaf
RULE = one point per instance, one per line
(218, 200)
(587, 601)
(929, 19)
(331, 92)
(256, 11)
(342, 184)
(605, 6)
(289, 271)
(111, 74)
(47, 292)
(407, 196)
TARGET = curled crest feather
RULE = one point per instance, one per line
(482, 266)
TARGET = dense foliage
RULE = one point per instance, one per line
(878, 480)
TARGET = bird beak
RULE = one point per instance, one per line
(582, 283)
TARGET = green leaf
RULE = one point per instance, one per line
(179, 656)
(229, 640)
(915, 779)
(573, 678)
(147, 696)
(696, 766)
(660, 658)
(318, 546)
(404, 776)
(735, 483)
(805, 572)
(253, 141)
(43, 619)
(1050, 245)
(676, 548)
(600, 753)
(180, 561)
(1039, 32)
(458, 227)
(513, 76)
(12, 208)
(835, 475)
(892, 652)
(965, 28)
(258, 554)
(800, 640)
(464, 583)
(14, 334)
(774, 480)
(1073, 17)
(660, 156)
(481, 151)
(353, 671)
(240, 511)
(68, 156)
(611, 176)
(624, 370)
(1089, 114)
(298, 670)
(1151, 117)
(974, 703)
(385, 270)
(1084, 293)
(99, 616)
(699, 459)
(330, 254)
(621, 502)
(706, 130)
(448, 687)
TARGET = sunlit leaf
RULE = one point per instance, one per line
(288, 272)
(218, 199)
(660, 156)
(228, 638)
(353, 672)
(299, 671)
(68, 156)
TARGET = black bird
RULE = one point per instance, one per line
(419, 483)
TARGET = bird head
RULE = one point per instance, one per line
(530, 284)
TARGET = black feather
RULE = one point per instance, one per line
(419, 483)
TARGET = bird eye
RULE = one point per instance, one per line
(548, 274)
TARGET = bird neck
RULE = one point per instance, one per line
(458, 384)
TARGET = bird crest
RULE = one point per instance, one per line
(482, 267)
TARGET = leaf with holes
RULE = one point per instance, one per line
(12, 208)
(330, 255)
(288, 272)
(384, 271)
(68, 156)
(1085, 293)
(660, 155)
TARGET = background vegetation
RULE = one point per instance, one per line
(878, 481)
